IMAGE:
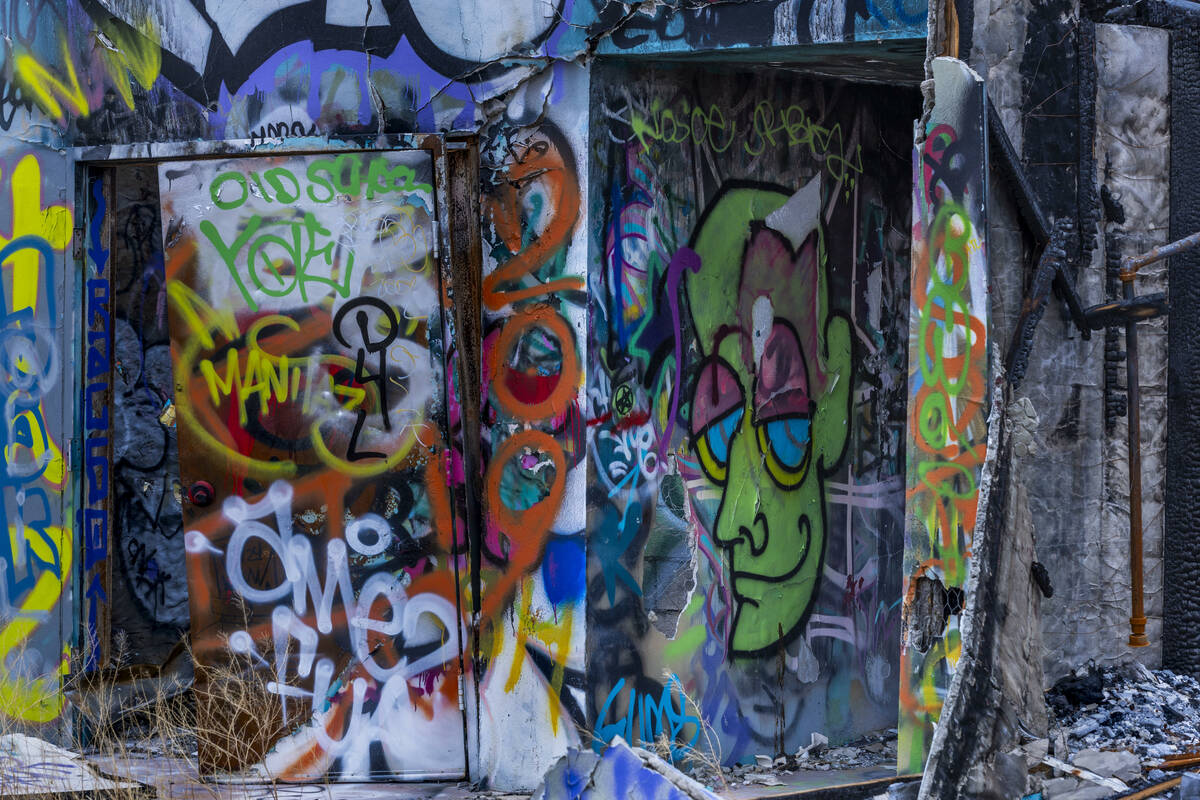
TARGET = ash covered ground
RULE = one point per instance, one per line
(1128, 724)
(1153, 713)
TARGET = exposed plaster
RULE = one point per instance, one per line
(935, 38)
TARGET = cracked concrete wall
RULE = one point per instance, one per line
(1133, 161)
(1076, 481)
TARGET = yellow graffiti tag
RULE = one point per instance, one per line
(47, 88)
(132, 54)
(125, 55)
(264, 375)
(41, 448)
(268, 376)
(35, 700)
(31, 218)
(554, 634)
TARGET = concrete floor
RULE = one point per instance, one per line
(176, 779)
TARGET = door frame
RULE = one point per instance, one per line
(459, 258)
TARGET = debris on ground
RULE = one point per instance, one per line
(32, 767)
(1150, 713)
(619, 771)
(1118, 731)
(871, 750)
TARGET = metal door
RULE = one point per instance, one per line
(304, 298)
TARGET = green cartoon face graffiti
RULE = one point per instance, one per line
(770, 401)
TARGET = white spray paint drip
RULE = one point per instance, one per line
(286, 625)
(197, 542)
(798, 217)
(241, 643)
(762, 316)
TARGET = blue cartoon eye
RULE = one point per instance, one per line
(713, 444)
(789, 438)
(785, 441)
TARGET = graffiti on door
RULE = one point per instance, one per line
(305, 303)
(37, 554)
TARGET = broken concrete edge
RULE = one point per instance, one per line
(689, 786)
(951, 758)
(50, 772)
(577, 775)
(1080, 772)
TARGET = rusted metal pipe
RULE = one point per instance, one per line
(1129, 269)
(1131, 264)
(1156, 789)
(1137, 615)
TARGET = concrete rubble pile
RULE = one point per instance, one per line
(1117, 731)
(873, 749)
(1152, 714)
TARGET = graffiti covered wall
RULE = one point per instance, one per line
(948, 394)
(749, 302)
(118, 71)
(686, 465)
(39, 551)
(533, 350)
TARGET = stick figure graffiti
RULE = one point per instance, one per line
(770, 400)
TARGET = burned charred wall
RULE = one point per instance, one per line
(1133, 156)
(748, 302)
(1086, 123)
(1180, 624)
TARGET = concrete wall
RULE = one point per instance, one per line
(124, 78)
(748, 291)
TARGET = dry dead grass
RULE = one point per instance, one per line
(224, 719)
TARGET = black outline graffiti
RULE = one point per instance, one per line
(368, 345)
(306, 22)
